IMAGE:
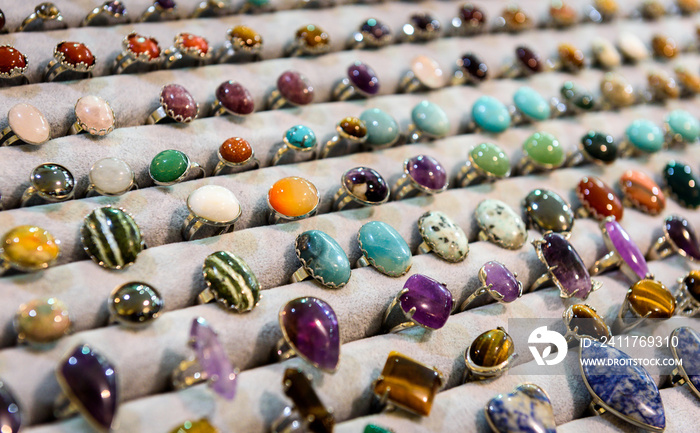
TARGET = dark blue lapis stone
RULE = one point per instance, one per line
(525, 410)
(688, 350)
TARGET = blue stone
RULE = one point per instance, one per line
(683, 124)
(490, 114)
(323, 258)
(382, 129)
(531, 103)
(688, 350)
(384, 248)
(525, 410)
(431, 119)
(627, 389)
(645, 135)
(301, 137)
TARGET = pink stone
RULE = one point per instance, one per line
(235, 98)
(29, 124)
(295, 88)
(95, 114)
(178, 103)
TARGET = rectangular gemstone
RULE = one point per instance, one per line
(298, 388)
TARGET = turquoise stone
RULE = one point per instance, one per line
(531, 103)
(688, 351)
(323, 258)
(300, 137)
(684, 125)
(384, 248)
(525, 410)
(382, 129)
(490, 114)
(111, 238)
(373, 428)
(645, 135)
(232, 281)
(431, 119)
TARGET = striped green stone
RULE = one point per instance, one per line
(232, 281)
(111, 237)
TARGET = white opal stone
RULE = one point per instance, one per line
(444, 237)
(29, 124)
(111, 176)
(214, 203)
(96, 114)
(632, 47)
(605, 53)
(428, 72)
(500, 224)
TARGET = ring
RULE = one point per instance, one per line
(513, 19)
(309, 40)
(622, 253)
(594, 147)
(201, 424)
(682, 184)
(242, 44)
(14, 64)
(291, 199)
(234, 99)
(679, 237)
(423, 302)
(616, 92)
(681, 127)
(500, 224)
(486, 163)
(176, 105)
(526, 63)
(571, 58)
(664, 47)
(562, 15)
(499, 282)
(371, 34)
(234, 153)
(111, 13)
(470, 20)
(605, 55)
(140, 54)
(213, 207)
(111, 238)
(661, 87)
(94, 116)
(26, 125)
(51, 182)
(361, 82)
(424, 74)
(230, 282)
(685, 354)
(310, 331)
(208, 364)
(422, 174)
(382, 129)
(542, 151)
(160, 10)
(564, 267)
(89, 384)
(41, 322)
(172, 166)
(308, 412)
(71, 61)
(28, 249)
(442, 236)
(688, 81)
(642, 137)
(407, 384)
(598, 200)
(322, 259)
(212, 9)
(188, 51)
(646, 298)
(298, 138)
(489, 355)
(503, 410)
(640, 191)
(45, 17)
(111, 177)
(583, 321)
(548, 211)
(293, 89)
(490, 114)
(349, 131)
(429, 121)
(688, 294)
(421, 27)
(470, 70)
(529, 106)
(362, 186)
(384, 249)
(135, 304)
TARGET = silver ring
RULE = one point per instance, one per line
(164, 175)
(482, 363)
(242, 44)
(112, 12)
(94, 116)
(422, 174)
(71, 61)
(51, 182)
(211, 207)
(596, 148)
(26, 125)
(188, 51)
(472, 171)
(160, 10)
(371, 34)
(503, 285)
(361, 82)
(14, 76)
(297, 139)
(362, 186)
(134, 304)
(176, 104)
(40, 323)
(470, 20)
(678, 237)
(526, 63)
(212, 9)
(623, 253)
(350, 131)
(309, 40)
(230, 282)
(139, 54)
(281, 192)
(688, 295)
(633, 313)
(424, 74)
(235, 153)
(43, 251)
(111, 177)
(583, 321)
(422, 302)
(528, 164)
(45, 17)
(308, 413)
(470, 69)
(513, 19)
(234, 99)
(293, 89)
(422, 27)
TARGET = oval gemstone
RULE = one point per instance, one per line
(10, 414)
(632, 47)
(29, 248)
(491, 159)
(664, 47)
(95, 115)
(683, 184)
(193, 43)
(135, 303)
(500, 280)
(111, 238)
(233, 282)
(29, 124)
(430, 300)
(662, 85)
(471, 15)
(645, 135)
(588, 322)
(683, 236)
(528, 59)
(293, 196)
(549, 211)
(377, 29)
(295, 88)
(599, 199)
(212, 359)
(605, 53)
(168, 166)
(322, 257)
(515, 18)
(650, 298)
(214, 203)
(235, 98)
(571, 57)
(310, 326)
(76, 54)
(53, 180)
(366, 185)
(363, 78)
(617, 90)
(544, 150)
(313, 36)
(527, 409)
(688, 351)
(430, 119)
(577, 95)
(384, 248)
(501, 224)
(300, 137)
(599, 146)
(692, 284)
(625, 247)
(491, 348)
(427, 172)
(424, 22)
(684, 125)
(42, 321)
(11, 60)
(382, 129)
(473, 66)
(236, 150)
(111, 176)
(490, 114)
(444, 237)
(353, 127)
(531, 103)
(642, 192)
(199, 426)
(428, 72)
(245, 36)
(178, 103)
(566, 265)
(143, 46)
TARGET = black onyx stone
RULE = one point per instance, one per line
(376, 28)
(53, 180)
(366, 184)
(473, 65)
(528, 59)
(599, 146)
(683, 184)
(90, 381)
(548, 211)
(425, 22)
(472, 15)
(298, 388)
(10, 417)
(577, 95)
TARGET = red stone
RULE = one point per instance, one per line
(295, 88)
(236, 150)
(75, 53)
(193, 42)
(11, 59)
(143, 45)
(599, 199)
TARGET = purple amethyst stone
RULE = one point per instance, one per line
(10, 418)
(566, 266)
(178, 103)
(295, 88)
(213, 360)
(115, 7)
(427, 172)
(363, 78)
(683, 236)
(166, 4)
(376, 28)
(626, 248)
(366, 184)
(501, 280)
(431, 300)
(235, 98)
(310, 327)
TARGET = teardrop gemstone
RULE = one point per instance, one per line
(566, 265)
(598, 198)
(587, 322)
(688, 350)
(548, 211)
(683, 184)
(384, 248)
(642, 192)
(323, 258)
(501, 224)
(526, 409)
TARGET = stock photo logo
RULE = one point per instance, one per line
(543, 337)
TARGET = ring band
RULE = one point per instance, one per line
(160, 10)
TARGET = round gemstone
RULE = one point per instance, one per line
(625, 247)
(213, 359)
(617, 90)
(471, 15)
(599, 146)
(232, 281)
(662, 85)
(692, 284)
(429, 299)
(684, 125)
(376, 28)
(11, 60)
(474, 66)
(53, 180)
(293, 196)
(366, 184)
(645, 135)
(193, 43)
(424, 22)
(577, 95)
(642, 191)
(29, 124)
(650, 298)
(384, 248)
(528, 59)
(143, 46)
(135, 303)
(313, 36)
(588, 322)
(236, 150)
(353, 127)
(111, 238)
(444, 237)
(295, 88)
(491, 159)
(501, 224)
(683, 184)
(500, 280)
(491, 348)
(490, 114)
(599, 199)
(566, 266)
(544, 150)
(245, 36)
(515, 18)
(323, 258)
(571, 57)
(605, 53)
(95, 115)
(235, 98)
(549, 211)
(531, 103)
(431, 119)
(664, 47)
(178, 103)
(29, 248)
(42, 321)
(427, 172)
(111, 176)
(168, 166)
(363, 78)
(76, 53)
(682, 234)
(214, 203)
(382, 129)
(300, 137)
(632, 47)
(428, 72)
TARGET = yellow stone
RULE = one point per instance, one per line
(42, 321)
(201, 426)
(491, 348)
(653, 298)
(29, 248)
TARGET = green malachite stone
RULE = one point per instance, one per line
(578, 96)
(599, 146)
(323, 258)
(491, 158)
(231, 280)
(373, 428)
(684, 125)
(169, 165)
(547, 210)
(111, 238)
(684, 186)
(544, 150)
(384, 248)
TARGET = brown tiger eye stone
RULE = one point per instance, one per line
(491, 348)
(588, 322)
(642, 192)
(354, 127)
(236, 150)
(653, 298)
(664, 47)
(313, 36)
(692, 284)
(408, 384)
(571, 57)
(599, 199)
(245, 36)
(689, 80)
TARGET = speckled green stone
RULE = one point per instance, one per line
(323, 258)
(544, 150)
(168, 166)
(578, 96)
(491, 159)
(684, 185)
(231, 280)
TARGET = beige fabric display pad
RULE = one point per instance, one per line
(145, 358)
